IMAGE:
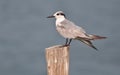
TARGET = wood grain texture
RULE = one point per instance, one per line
(57, 58)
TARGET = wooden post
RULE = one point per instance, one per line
(57, 58)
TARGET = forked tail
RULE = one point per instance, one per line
(96, 37)
(87, 42)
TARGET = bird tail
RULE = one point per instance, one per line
(87, 42)
(96, 37)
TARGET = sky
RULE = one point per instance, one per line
(25, 32)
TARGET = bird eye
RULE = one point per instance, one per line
(58, 14)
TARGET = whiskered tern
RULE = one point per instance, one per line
(71, 31)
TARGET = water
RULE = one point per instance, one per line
(25, 32)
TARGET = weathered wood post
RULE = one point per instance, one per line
(57, 58)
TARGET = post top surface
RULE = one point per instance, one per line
(57, 46)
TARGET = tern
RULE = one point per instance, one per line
(70, 30)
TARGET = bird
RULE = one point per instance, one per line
(70, 31)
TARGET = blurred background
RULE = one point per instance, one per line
(25, 32)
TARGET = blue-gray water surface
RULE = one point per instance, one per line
(25, 32)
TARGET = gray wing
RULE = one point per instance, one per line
(73, 29)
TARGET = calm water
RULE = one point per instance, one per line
(25, 32)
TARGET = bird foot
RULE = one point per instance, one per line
(65, 45)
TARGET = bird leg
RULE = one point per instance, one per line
(66, 42)
(69, 41)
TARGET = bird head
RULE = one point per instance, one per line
(57, 15)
